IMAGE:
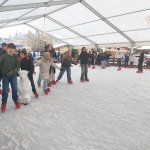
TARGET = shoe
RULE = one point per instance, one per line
(89, 66)
(57, 80)
(48, 89)
(3, 107)
(17, 104)
(82, 80)
(103, 67)
(8, 90)
(36, 94)
(70, 82)
(87, 80)
(138, 71)
(39, 85)
(119, 69)
(54, 82)
(34, 72)
(93, 67)
(46, 92)
(49, 84)
(1, 91)
(124, 66)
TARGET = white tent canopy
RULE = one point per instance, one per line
(97, 23)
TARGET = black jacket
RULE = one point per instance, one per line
(141, 58)
(27, 64)
(83, 57)
(102, 57)
(107, 56)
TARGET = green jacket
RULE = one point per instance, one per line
(9, 63)
(2, 52)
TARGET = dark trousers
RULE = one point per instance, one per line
(32, 82)
(93, 61)
(119, 62)
(13, 82)
(126, 63)
(0, 76)
(140, 66)
(68, 70)
(131, 63)
(84, 71)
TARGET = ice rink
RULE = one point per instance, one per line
(111, 112)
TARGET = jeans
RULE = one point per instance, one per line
(68, 70)
(103, 63)
(45, 82)
(108, 62)
(32, 82)
(119, 62)
(13, 82)
(84, 71)
(126, 63)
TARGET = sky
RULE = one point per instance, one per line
(5, 32)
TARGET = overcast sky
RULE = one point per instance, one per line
(5, 32)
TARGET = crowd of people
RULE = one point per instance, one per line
(11, 61)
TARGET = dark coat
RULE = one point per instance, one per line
(141, 58)
(126, 58)
(27, 64)
(107, 56)
(84, 56)
(102, 57)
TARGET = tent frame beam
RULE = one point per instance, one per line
(71, 30)
(106, 21)
(37, 5)
(47, 33)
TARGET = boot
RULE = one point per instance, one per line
(138, 71)
(141, 71)
(70, 82)
(50, 84)
(82, 80)
(89, 66)
(34, 72)
(119, 69)
(39, 85)
(87, 80)
(8, 90)
(57, 80)
(36, 94)
(54, 82)
(1, 91)
(103, 67)
(3, 107)
(93, 67)
(48, 89)
(99, 65)
(17, 104)
(46, 92)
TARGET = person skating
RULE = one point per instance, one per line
(131, 59)
(140, 64)
(45, 63)
(119, 56)
(107, 56)
(66, 66)
(49, 48)
(126, 60)
(27, 64)
(102, 59)
(10, 65)
(94, 56)
(3, 51)
(98, 62)
(83, 57)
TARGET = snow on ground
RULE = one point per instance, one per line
(111, 112)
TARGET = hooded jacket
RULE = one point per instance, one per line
(2, 52)
(45, 65)
(9, 63)
(119, 54)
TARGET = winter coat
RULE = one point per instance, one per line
(44, 67)
(141, 58)
(27, 64)
(34, 54)
(126, 58)
(119, 54)
(67, 61)
(94, 55)
(107, 56)
(131, 58)
(84, 57)
(2, 52)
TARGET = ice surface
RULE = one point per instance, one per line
(111, 112)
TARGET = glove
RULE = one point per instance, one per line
(9, 74)
(61, 69)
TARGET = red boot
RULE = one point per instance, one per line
(89, 66)
(138, 71)
(39, 85)
(141, 71)
(48, 89)
(8, 90)
(57, 80)
(34, 72)
(36, 94)
(82, 80)
(87, 80)
(54, 82)
(119, 69)
(17, 104)
(3, 107)
(103, 67)
(50, 84)
(70, 82)
(93, 67)
(46, 92)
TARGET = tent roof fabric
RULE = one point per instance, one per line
(83, 22)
